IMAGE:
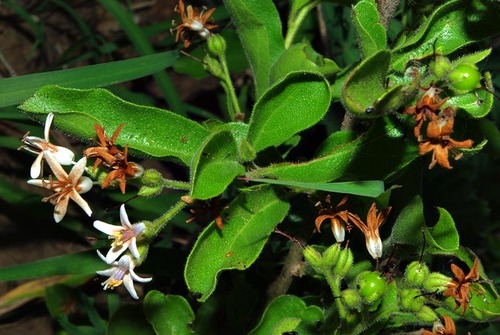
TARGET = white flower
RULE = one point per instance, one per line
(125, 237)
(120, 272)
(66, 186)
(38, 145)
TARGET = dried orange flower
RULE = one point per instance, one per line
(112, 157)
(459, 288)
(439, 141)
(193, 20)
(371, 229)
(338, 217)
(439, 329)
(426, 108)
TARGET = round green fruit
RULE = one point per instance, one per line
(371, 286)
(464, 78)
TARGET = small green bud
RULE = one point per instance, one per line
(436, 282)
(441, 66)
(479, 315)
(212, 65)
(151, 177)
(149, 191)
(464, 78)
(313, 257)
(412, 299)
(350, 298)
(344, 262)
(426, 314)
(416, 273)
(217, 46)
(371, 286)
(331, 255)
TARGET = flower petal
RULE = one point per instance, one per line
(77, 170)
(55, 166)
(129, 285)
(61, 208)
(79, 200)
(114, 253)
(132, 245)
(48, 123)
(124, 217)
(36, 167)
(139, 279)
(106, 228)
(63, 155)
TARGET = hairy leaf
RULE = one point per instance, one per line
(168, 314)
(371, 34)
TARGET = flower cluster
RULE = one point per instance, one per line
(439, 128)
(194, 22)
(109, 155)
(71, 185)
(66, 185)
(125, 238)
(340, 220)
(459, 288)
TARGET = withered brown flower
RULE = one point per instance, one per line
(338, 217)
(459, 288)
(194, 21)
(439, 329)
(426, 107)
(439, 141)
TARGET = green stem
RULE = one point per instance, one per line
(175, 184)
(334, 283)
(233, 106)
(295, 22)
(154, 228)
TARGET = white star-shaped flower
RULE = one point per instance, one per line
(67, 186)
(38, 145)
(122, 271)
(125, 236)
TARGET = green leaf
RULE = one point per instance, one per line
(371, 34)
(129, 320)
(249, 220)
(17, 89)
(302, 57)
(168, 314)
(407, 229)
(370, 188)
(444, 235)
(288, 313)
(259, 27)
(214, 166)
(366, 84)
(296, 103)
(450, 27)
(81, 263)
(490, 132)
(148, 130)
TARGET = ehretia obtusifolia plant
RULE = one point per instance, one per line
(316, 142)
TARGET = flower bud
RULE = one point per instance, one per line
(436, 282)
(217, 46)
(151, 177)
(149, 191)
(331, 255)
(441, 66)
(412, 300)
(350, 298)
(344, 262)
(213, 65)
(416, 273)
(313, 257)
(426, 314)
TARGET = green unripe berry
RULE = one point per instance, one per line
(416, 273)
(350, 298)
(371, 286)
(412, 299)
(313, 257)
(464, 78)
